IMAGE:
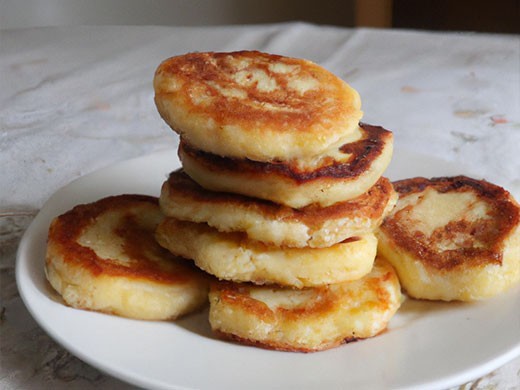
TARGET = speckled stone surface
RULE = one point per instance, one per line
(73, 100)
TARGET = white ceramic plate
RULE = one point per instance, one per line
(428, 345)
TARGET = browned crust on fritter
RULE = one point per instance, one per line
(504, 217)
(326, 300)
(369, 205)
(66, 229)
(363, 153)
(304, 111)
(236, 294)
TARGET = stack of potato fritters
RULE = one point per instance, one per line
(279, 195)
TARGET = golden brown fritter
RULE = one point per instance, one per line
(254, 105)
(306, 320)
(345, 172)
(103, 256)
(453, 238)
(271, 223)
(232, 256)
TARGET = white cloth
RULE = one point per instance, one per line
(75, 99)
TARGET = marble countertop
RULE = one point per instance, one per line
(76, 99)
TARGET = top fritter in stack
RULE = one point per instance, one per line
(281, 187)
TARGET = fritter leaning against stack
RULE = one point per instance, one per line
(279, 196)
(453, 238)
